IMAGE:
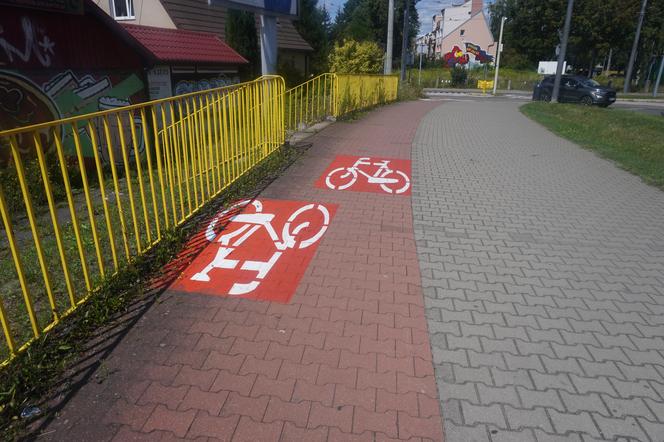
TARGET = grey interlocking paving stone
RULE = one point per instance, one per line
(455, 432)
(528, 418)
(591, 402)
(483, 414)
(580, 422)
(612, 428)
(497, 435)
(563, 255)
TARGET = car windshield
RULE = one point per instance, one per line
(590, 83)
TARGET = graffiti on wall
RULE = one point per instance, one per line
(458, 57)
(455, 57)
(187, 86)
(39, 81)
(25, 101)
(480, 54)
(33, 44)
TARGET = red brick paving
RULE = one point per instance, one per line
(347, 359)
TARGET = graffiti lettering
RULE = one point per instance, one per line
(479, 53)
(37, 44)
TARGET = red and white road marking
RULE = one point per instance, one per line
(367, 174)
(262, 252)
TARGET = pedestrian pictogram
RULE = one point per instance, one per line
(261, 252)
(367, 174)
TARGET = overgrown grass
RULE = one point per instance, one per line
(34, 372)
(633, 140)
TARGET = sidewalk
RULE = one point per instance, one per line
(347, 358)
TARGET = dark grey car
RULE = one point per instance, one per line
(575, 89)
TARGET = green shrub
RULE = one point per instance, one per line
(459, 76)
(355, 57)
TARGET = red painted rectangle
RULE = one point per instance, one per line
(367, 174)
(262, 251)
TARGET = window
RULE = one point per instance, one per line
(122, 9)
(463, 31)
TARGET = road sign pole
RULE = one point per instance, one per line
(268, 33)
(498, 51)
(563, 50)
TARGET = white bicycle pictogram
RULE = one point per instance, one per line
(242, 226)
(391, 181)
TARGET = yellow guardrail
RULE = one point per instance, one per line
(113, 182)
(333, 95)
(86, 195)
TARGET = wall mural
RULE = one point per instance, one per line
(38, 85)
(455, 57)
(479, 53)
(458, 57)
(23, 102)
(187, 86)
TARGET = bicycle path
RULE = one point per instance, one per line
(346, 358)
(543, 273)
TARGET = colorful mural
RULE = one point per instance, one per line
(458, 57)
(479, 53)
(42, 78)
(455, 57)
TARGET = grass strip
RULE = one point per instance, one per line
(635, 141)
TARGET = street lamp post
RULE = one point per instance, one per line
(499, 49)
(404, 43)
(390, 38)
(419, 74)
(563, 50)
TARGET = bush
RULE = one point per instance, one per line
(354, 57)
(458, 76)
(409, 91)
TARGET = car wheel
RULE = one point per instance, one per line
(587, 101)
(544, 96)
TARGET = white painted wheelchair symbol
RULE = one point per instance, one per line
(242, 226)
(391, 181)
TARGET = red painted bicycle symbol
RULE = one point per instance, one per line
(243, 258)
(367, 174)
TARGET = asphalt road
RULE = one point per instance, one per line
(646, 107)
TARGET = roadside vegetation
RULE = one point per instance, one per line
(633, 140)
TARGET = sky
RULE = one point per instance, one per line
(425, 8)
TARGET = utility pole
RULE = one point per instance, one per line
(659, 77)
(563, 50)
(419, 74)
(635, 46)
(404, 43)
(390, 38)
(498, 51)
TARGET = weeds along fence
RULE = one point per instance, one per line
(82, 197)
(113, 183)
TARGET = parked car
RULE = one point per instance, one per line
(575, 89)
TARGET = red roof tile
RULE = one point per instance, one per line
(179, 45)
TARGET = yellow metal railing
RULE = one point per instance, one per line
(333, 95)
(91, 193)
(311, 102)
(356, 92)
(114, 182)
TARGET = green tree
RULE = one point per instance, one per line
(314, 25)
(355, 57)
(366, 20)
(241, 35)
